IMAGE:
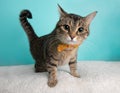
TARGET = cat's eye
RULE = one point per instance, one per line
(66, 27)
(81, 29)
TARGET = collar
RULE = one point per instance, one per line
(62, 47)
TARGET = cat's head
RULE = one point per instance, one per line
(72, 28)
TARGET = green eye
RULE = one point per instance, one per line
(66, 27)
(81, 29)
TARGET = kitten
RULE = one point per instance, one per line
(60, 46)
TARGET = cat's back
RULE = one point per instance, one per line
(37, 47)
(41, 45)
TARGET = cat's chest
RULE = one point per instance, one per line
(66, 56)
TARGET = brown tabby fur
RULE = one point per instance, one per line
(44, 49)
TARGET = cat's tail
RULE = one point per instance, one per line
(26, 25)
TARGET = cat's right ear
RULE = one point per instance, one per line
(61, 11)
(90, 17)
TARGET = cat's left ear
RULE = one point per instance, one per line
(61, 11)
(90, 17)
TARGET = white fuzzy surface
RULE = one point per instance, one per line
(96, 77)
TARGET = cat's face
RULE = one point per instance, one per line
(73, 29)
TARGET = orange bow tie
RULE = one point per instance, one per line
(62, 47)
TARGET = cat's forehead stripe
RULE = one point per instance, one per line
(70, 22)
(77, 20)
(75, 17)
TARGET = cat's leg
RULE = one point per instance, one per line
(73, 68)
(40, 67)
(52, 71)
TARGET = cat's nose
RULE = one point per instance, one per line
(72, 37)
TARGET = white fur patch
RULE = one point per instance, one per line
(75, 39)
(71, 41)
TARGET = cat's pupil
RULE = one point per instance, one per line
(66, 27)
(81, 29)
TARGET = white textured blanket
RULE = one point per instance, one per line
(96, 77)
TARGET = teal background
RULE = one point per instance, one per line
(102, 44)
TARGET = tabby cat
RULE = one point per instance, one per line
(60, 46)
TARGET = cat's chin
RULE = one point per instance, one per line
(72, 42)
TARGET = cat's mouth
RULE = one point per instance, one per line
(72, 42)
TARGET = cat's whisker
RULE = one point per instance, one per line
(91, 46)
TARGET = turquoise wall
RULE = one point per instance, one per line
(102, 44)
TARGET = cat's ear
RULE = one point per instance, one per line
(90, 17)
(61, 11)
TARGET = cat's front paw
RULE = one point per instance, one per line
(52, 83)
(75, 75)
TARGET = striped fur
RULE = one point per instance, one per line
(44, 48)
(26, 25)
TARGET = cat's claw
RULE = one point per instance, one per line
(52, 83)
(75, 75)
